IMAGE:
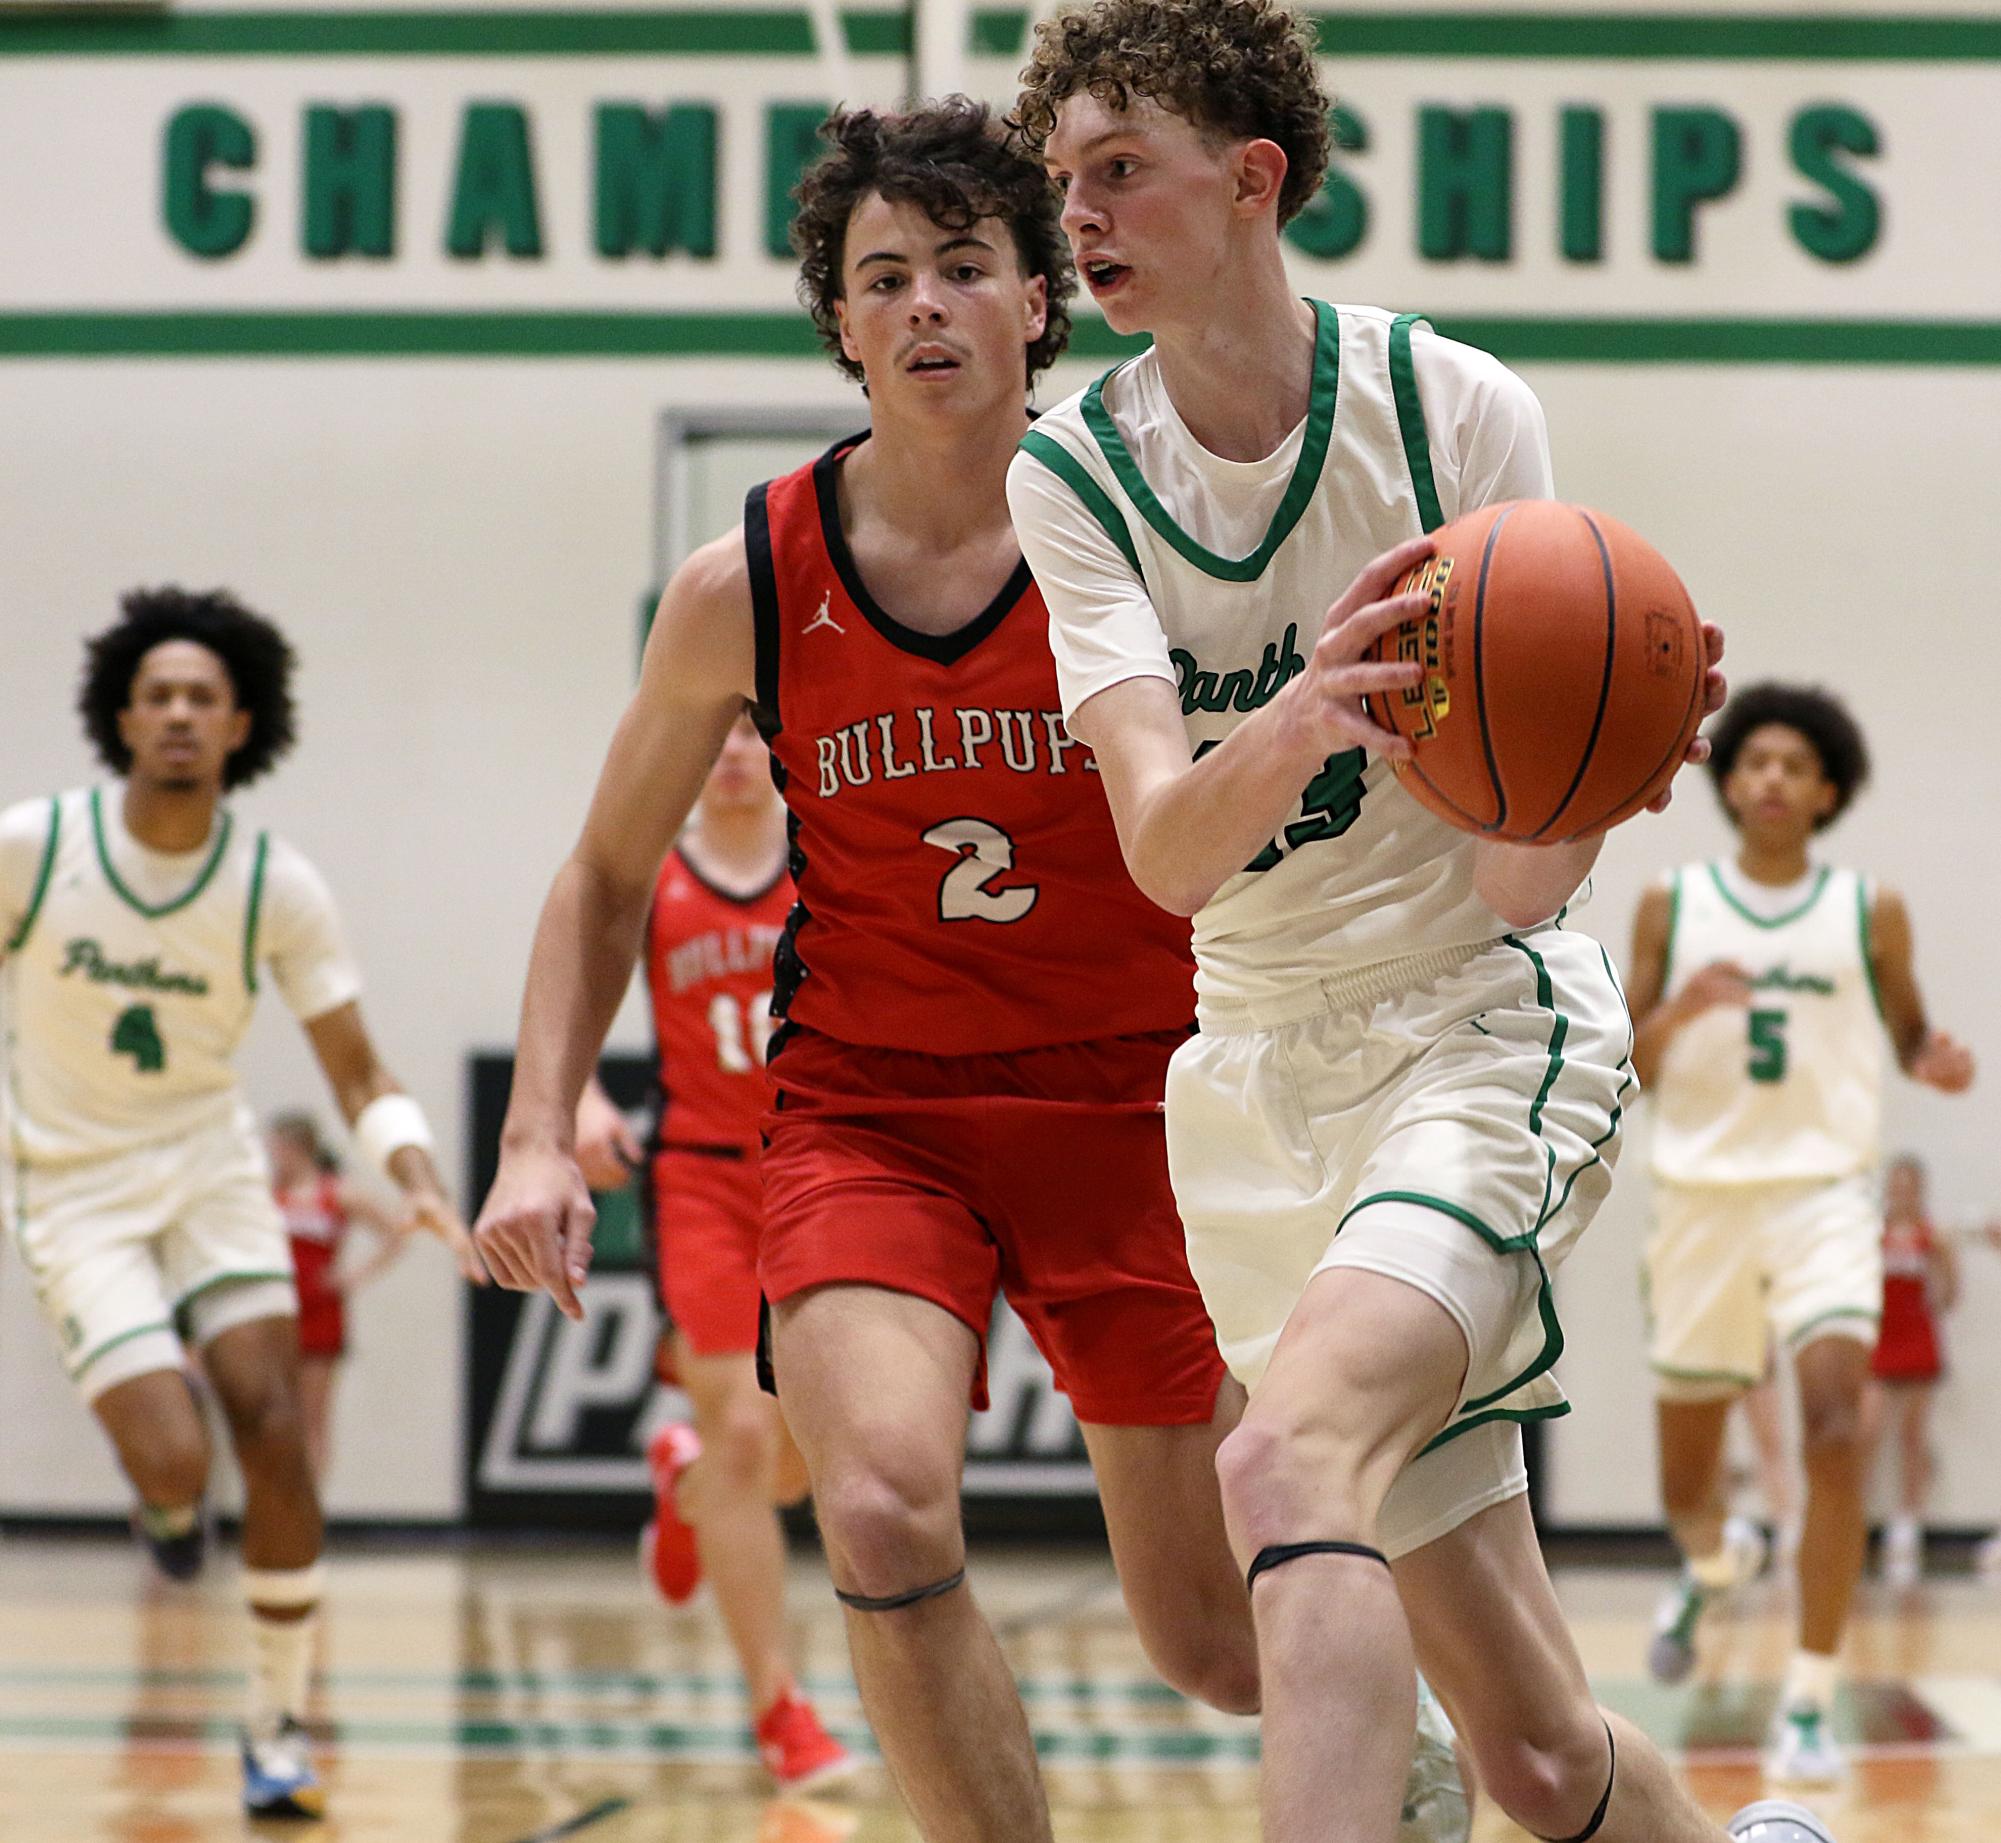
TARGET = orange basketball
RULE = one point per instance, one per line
(1563, 673)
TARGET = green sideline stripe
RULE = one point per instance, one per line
(782, 32)
(499, 334)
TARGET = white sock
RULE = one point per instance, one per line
(1810, 1681)
(1715, 1571)
(281, 1669)
(1904, 1532)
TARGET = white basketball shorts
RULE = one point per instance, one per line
(128, 1252)
(1450, 1120)
(1729, 1267)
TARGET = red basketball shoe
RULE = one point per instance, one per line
(795, 1749)
(667, 1545)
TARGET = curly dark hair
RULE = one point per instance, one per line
(256, 655)
(1818, 715)
(954, 160)
(1241, 69)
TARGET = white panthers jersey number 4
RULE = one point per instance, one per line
(1790, 1087)
(124, 1014)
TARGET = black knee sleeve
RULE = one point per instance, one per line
(890, 1602)
(1590, 1830)
(1279, 1553)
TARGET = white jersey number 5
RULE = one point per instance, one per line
(983, 852)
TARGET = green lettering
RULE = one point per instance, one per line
(494, 190)
(791, 144)
(350, 182)
(1581, 206)
(1334, 221)
(1850, 223)
(1698, 157)
(656, 179)
(204, 221)
(1465, 185)
(136, 1033)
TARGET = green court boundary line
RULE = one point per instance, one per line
(581, 334)
(1000, 31)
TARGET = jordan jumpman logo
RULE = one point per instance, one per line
(824, 618)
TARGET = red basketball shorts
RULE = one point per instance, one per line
(705, 1210)
(1043, 1172)
(322, 1323)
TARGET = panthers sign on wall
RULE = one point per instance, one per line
(560, 1413)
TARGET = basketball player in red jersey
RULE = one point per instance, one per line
(1920, 1285)
(718, 908)
(319, 1208)
(977, 1006)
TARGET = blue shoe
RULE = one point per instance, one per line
(179, 1556)
(278, 1776)
(1778, 1820)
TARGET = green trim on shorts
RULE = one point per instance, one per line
(111, 1344)
(1501, 1244)
(1554, 1411)
(1703, 1375)
(1552, 1347)
(1545, 993)
(1875, 1317)
(47, 869)
(228, 1279)
(1597, 1145)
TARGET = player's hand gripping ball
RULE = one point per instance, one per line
(1563, 674)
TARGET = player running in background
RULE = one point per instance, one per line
(977, 1004)
(718, 910)
(1399, 1043)
(138, 920)
(319, 1208)
(1763, 986)
(1920, 1286)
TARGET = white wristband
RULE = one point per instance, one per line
(388, 1124)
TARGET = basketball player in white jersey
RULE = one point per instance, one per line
(1404, 1095)
(1763, 986)
(138, 919)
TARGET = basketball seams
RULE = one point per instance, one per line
(1605, 679)
(1679, 746)
(1480, 671)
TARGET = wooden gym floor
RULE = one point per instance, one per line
(502, 1694)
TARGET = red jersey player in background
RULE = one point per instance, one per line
(1920, 1285)
(977, 1006)
(319, 1207)
(718, 909)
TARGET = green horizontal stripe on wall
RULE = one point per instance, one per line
(1705, 37)
(789, 335)
(1000, 31)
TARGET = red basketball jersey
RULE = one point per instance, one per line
(708, 972)
(961, 890)
(316, 1223)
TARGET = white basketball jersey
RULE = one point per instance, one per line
(123, 1014)
(1359, 872)
(1792, 1087)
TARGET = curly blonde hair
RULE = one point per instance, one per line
(1241, 69)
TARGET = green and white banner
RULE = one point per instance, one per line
(1565, 184)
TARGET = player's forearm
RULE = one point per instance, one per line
(1195, 829)
(1527, 884)
(585, 946)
